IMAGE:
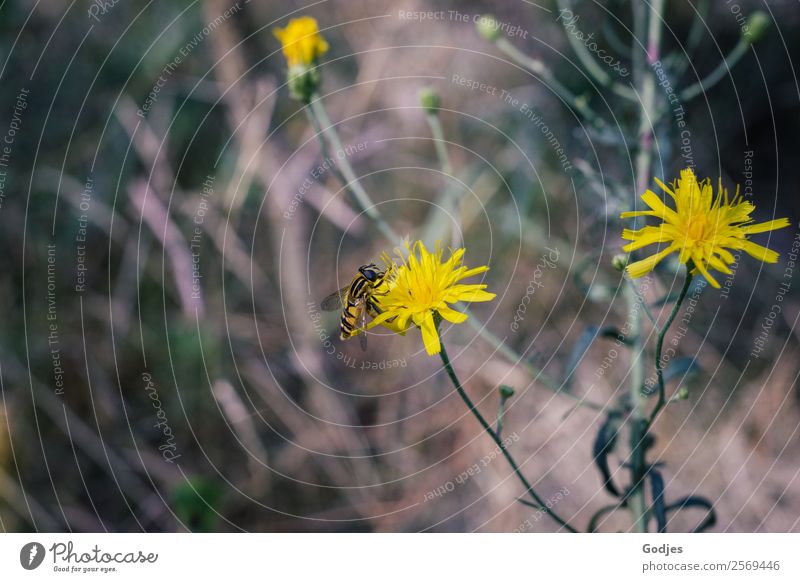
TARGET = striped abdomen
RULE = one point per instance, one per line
(354, 306)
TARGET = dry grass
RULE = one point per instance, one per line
(274, 433)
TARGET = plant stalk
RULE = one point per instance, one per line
(351, 181)
(497, 440)
(720, 72)
(638, 420)
(539, 68)
(636, 498)
(662, 399)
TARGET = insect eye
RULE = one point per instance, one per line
(369, 273)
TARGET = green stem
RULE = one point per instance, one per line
(636, 500)
(449, 200)
(696, 33)
(501, 410)
(722, 70)
(439, 143)
(583, 53)
(323, 145)
(639, 31)
(638, 420)
(648, 96)
(538, 67)
(497, 440)
(594, 69)
(662, 399)
(351, 181)
(641, 424)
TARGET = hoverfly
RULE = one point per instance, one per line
(356, 302)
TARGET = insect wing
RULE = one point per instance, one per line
(335, 300)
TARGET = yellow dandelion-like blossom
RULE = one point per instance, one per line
(704, 229)
(420, 290)
(302, 42)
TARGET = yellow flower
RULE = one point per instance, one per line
(302, 42)
(420, 289)
(701, 227)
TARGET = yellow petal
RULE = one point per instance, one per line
(659, 208)
(641, 268)
(643, 237)
(759, 252)
(475, 296)
(715, 262)
(471, 272)
(698, 263)
(429, 335)
(452, 315)
(765, 226)
(381, 319)
(393, 326)
(664, 187)
(301, 41)
(725, 255)
(403, 317)
(635, 213)
(686, 254)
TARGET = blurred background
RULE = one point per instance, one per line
(169, 227)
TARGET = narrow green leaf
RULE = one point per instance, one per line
(659, 509)
(696, 501)
(600, 513)
(604, 445)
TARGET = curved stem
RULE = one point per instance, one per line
(591, 66)
(501, 411)
(719, 73)
(497, 440)
(583, 53)
(448, 199)
(660, 344)
(439, 143)
(539, 68)
(323, 145)
(351, 181)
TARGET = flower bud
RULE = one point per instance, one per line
(303, 82)
(488, 27)
(430, 100)
(506, 392)
(619, 262)
(756, 26)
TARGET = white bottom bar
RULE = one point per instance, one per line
(400, 557)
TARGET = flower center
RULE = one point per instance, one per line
(697, 227)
